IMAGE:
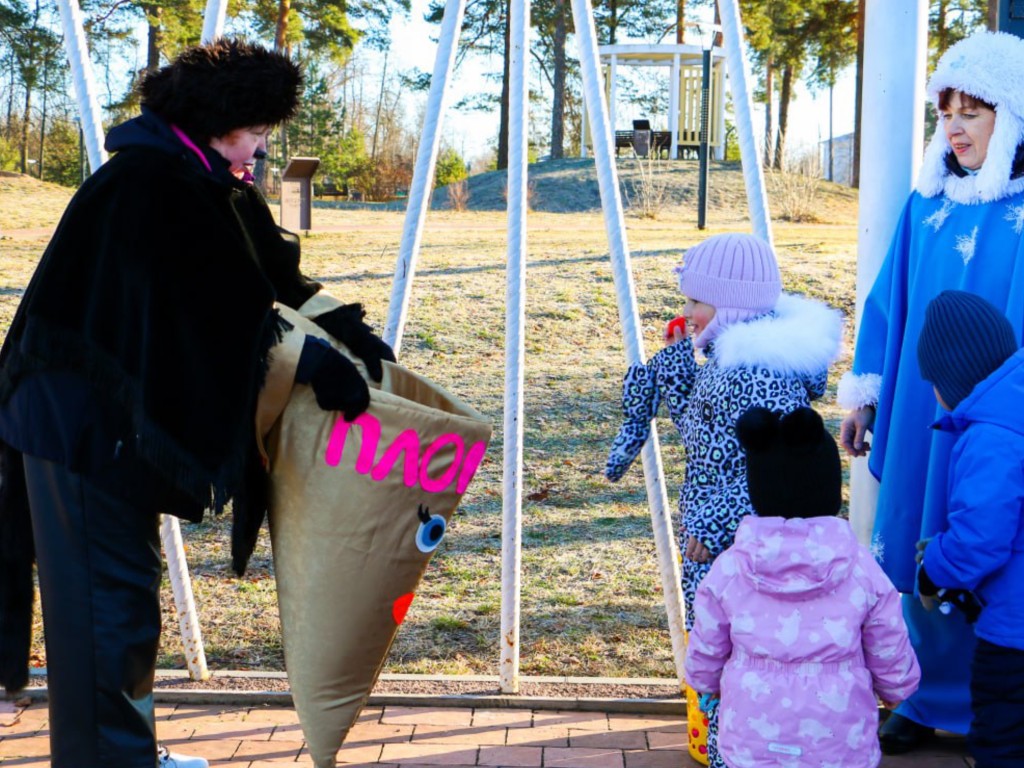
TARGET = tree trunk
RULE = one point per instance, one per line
(941, 34)
(24, 129)
(767, 161)
(380, 104)
(281, 30)
(9, 132)
(680, 20)
(153, 37)
(613, 20)
(858, 91)
(992, 22)
(558, 86)
(42, 119)
(503, 119)
(784, 96)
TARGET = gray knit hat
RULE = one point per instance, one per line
(964, 339)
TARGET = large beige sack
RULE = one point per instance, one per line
(356, 512)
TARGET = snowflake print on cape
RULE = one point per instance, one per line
(938, 218)
(965, 245)
(1015, 215)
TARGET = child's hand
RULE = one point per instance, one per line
(708, 702)
(921, 546)
(696, 551)
(853, 431)
(675, 331)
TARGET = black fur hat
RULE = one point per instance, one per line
(793, 467)
(211, 90)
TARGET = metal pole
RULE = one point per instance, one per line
(184, 601)
(170, 528)
(673, 107)
(895, 48)
(423, 173)
(739, 77)
(702, 178)
(515, 320)
(831, 156)
(629, 318)
(83, 80)
(213, 20)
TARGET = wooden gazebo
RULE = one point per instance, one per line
(685, 65)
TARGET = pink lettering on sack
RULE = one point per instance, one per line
(415, 467)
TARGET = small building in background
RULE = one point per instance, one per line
(842, 159)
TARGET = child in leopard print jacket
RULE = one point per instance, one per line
(762, 348)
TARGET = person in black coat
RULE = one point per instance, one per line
(128, 383)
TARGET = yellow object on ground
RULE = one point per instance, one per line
(696, 727)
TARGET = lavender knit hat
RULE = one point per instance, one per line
(736, 274)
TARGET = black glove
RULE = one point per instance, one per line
(346, 325)
(336, 381)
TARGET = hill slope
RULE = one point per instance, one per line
(571, 186)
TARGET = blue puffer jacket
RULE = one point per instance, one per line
(983, 548)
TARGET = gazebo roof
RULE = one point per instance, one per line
(654, 54)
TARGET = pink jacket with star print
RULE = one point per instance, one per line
(801, 632)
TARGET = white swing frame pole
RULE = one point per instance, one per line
(184, 600)
(515, 316)
(92, 131)
(894, 81)
(611, 204)
(739, 78)
(423, 173)
(170, 528)
(213, 20)
(84, 82)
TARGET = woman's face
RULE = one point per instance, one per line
(968, 129)
(239, 147)
(698, 315)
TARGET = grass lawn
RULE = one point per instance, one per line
(591, 596)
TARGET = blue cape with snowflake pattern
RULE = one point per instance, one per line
(938, 245)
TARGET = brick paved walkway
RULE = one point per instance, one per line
(267, 737)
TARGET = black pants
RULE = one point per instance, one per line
(99, 574)
(996, 738)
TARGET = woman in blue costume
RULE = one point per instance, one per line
(961, 229)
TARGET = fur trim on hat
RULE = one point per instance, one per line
(211, 90)
(801, 337)
(984, 65)
(858, 390)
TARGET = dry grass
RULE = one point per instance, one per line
(591, 600)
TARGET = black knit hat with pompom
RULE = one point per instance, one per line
(793, 467)
(210, 90)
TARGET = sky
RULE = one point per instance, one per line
(471, 133)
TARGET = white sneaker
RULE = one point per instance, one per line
(167, 759)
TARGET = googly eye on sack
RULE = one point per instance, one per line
(431, 530)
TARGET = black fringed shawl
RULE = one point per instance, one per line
(156, 289)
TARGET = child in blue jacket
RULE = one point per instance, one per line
(969, 352)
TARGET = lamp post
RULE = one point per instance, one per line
(707, 39)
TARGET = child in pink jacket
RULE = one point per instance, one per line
(797, 628)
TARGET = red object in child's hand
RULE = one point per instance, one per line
(680, 323)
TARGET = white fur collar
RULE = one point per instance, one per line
(801, 338)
